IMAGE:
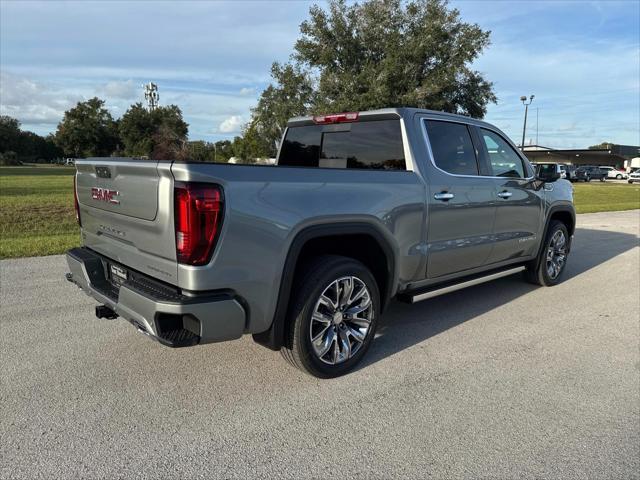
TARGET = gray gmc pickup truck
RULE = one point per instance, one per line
(361, 208)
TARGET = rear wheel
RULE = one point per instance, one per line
(546, 271)
(333, 317)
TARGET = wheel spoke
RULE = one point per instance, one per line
(326, 343)
(345, 344)
(341, 320)
(327, 302)
(357, 334)
(322, 318)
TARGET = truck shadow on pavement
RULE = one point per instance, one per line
(404, 325)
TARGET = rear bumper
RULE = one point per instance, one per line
(161, 311)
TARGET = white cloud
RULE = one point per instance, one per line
(34, 102)
(247, 91)
(125, 90)
(231, 124)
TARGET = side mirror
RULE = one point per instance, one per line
(547, 172)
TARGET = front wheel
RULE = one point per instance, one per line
(333, 316)
(618, 177)
(546, 271)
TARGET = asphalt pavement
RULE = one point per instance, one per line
(502, 380)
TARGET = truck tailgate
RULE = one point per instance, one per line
(126, 210)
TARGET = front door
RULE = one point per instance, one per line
(461, 203)
(519, 204)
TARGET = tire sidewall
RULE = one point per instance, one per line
(303, 320)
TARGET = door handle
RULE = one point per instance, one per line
(505, 194)
(444, 196)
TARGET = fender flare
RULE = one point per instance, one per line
(274, 336)
(555, 209)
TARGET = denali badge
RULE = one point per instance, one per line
(105, 195)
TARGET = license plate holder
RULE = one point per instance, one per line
(117, 274)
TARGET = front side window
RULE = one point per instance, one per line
(373, 145)
(452, 147)
(504, 160)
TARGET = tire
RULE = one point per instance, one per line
(618, 177)
(588, 179)
(630, 181)
(538, 271)
(602, 179)
(312, 307)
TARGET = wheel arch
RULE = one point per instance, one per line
(563, 213)
(363, 241)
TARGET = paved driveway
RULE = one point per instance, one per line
(502, 380)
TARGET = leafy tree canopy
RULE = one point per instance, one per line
(375, 54)
(25, 145)
(601, 146)
(144, 132)
(87, 130)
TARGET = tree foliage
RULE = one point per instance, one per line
(19, 145)
(87, 130)
(601, 146)
(376, 54)
(152, 133)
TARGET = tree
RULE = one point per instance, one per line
(601, 146)
(24, 145)
(375, 54)
(9, 134)
(201, 151)
(143, 131)
(291, 96)
(87, 130)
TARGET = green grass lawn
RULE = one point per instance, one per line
(37, 217)
(605, 196)
(36, 211)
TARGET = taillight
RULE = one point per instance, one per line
(76, 205)
(336, 118)
(198, 218)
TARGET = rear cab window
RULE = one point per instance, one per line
(364, 144)
(452, 148)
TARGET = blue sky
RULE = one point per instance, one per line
(212, 58)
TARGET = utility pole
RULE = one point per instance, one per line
(523, 99)
(151, 95)
(537, 112)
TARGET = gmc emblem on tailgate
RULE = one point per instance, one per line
(105, 195)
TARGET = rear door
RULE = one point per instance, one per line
(519, 204)
(126, 211)
(461, 203)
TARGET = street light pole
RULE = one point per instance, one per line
(523, 99)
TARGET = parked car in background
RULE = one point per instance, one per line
(574, 173)
(634, 176)
(613, 172)
(592, 173)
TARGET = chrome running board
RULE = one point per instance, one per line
(459, 286)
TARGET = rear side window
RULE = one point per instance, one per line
(360, 145)
(452, 147)
(505, 162)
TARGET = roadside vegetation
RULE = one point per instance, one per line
(36, 211)
(37, 217)
(605, 197)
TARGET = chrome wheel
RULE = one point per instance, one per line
(556, 254)
(341, 320)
